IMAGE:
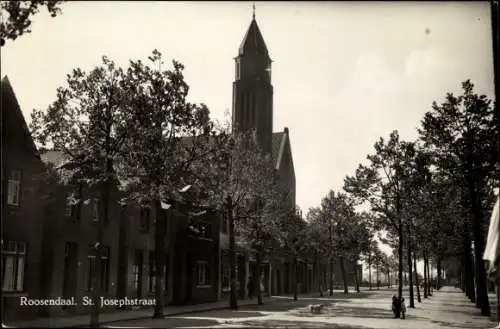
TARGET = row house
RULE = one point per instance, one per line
(23, 215)
(49, 230)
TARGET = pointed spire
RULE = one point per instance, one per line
(253, 42)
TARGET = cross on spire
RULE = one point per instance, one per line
(253, 10)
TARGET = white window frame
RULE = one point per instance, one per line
(202, 279)
(18, 266)
(14, 188)
(89, 283)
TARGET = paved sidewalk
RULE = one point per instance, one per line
(83, 321)
(446, 309)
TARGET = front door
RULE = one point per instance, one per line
(189, 277)
(278, 282)
(70, 270)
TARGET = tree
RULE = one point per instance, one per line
(86, 124)
(292, 239)
(381, 185)
(462, 132)
(166, 136)
(317, 241)
(235, 177)
(17, 15)
(357, 240)
(261, 225)
(338, 217)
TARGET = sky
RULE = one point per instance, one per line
(344, 73)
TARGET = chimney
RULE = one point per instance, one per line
(286, 130)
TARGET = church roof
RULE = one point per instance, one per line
(278, 146)
(253, 42)
(277, 141)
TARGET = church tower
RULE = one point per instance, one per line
(252, 89)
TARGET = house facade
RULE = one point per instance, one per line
(49, 229)
(23, 216)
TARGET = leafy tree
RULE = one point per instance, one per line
(86, 124)
(165, 140)
(292, 239)
(318, 242)
(358, 238)
(237, 177)
(17, 15)
(338, 215)
(462, 133)
(381, 185)
(261, 225)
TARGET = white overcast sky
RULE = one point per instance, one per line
(344, 73)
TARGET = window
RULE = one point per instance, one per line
(268, 70)
(95, 209)
(14, 188)
(91, 268)
(105, 269)
(202, 273)
(144, 219)
(238, 69)
(13, 258)
(152, 273)
(137, 269)
(90, 272)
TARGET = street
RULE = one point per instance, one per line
(447, 308)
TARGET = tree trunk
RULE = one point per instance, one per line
(400, 254)
(257, 278)
(233, 301)
(331, 276)
(96, 282)
(378, 276)
(425, 277)
(160, 237)
(410, 276)
(477, 232)
(344, 275)
(438, 284)
(97, 276)
(295, 279)
(417, 283)
(429, 277)
(319, 276)
(469, 275)
(356, 281)
(388, 279)
(370, 269)
(481, 278)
